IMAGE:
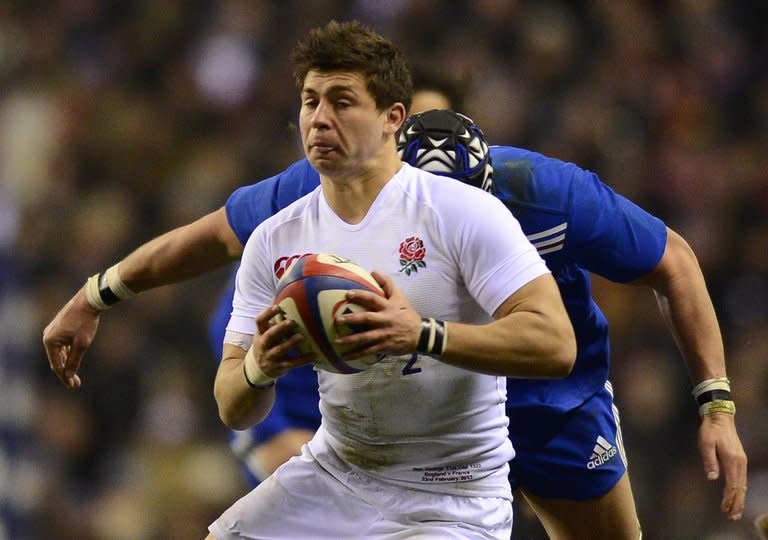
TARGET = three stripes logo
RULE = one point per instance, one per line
(602, 452)
(549, 240)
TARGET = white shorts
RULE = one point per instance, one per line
(303, 500)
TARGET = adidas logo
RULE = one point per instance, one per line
(602, 452)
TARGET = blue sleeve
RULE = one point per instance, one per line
(610, 235)
(249, 205)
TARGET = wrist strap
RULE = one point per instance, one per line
(253, 375)
(433, 337)
(105, 289)
(717, 406)
(714, 396)
(719, 383)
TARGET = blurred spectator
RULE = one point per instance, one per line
(120, 120)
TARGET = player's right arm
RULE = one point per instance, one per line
(183, 253)
(244, 384)
(685, 304)
(626, 244)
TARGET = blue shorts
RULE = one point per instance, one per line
(576, 455)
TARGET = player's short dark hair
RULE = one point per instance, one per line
(353, 47)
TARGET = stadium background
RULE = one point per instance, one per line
(120, 120)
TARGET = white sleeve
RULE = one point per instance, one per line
(495, 257)
(254, 284)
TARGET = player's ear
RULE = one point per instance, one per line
(395, 116)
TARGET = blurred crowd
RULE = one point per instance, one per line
(120, 120)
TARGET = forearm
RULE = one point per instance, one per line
(240, 405)
(686, 306)
(181, 254)
(522, 345)
(531, 337)
(689, 313)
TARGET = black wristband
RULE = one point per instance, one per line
(426, 331)
(439, 343)
(105, 293)
(713, 395)
(432, 337)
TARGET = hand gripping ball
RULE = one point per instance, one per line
(312, 292)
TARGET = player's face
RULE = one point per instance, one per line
(341, 130)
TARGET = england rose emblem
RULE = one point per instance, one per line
(412, 253)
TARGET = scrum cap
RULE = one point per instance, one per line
(447, 143)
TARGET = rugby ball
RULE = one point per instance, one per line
(311, 292)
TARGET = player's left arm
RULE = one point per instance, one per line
(531, 335)
(682, 296)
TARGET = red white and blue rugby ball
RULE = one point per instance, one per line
(312, 292)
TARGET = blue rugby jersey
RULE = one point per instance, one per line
(250, 205)
(578, 224)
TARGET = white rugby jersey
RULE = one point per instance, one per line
(457, 253)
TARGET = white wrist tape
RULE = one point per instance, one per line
(714, 396)
(720, 383)
(253, 374)
(103, 290)
(92, 293)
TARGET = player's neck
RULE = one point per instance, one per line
(351, 196)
